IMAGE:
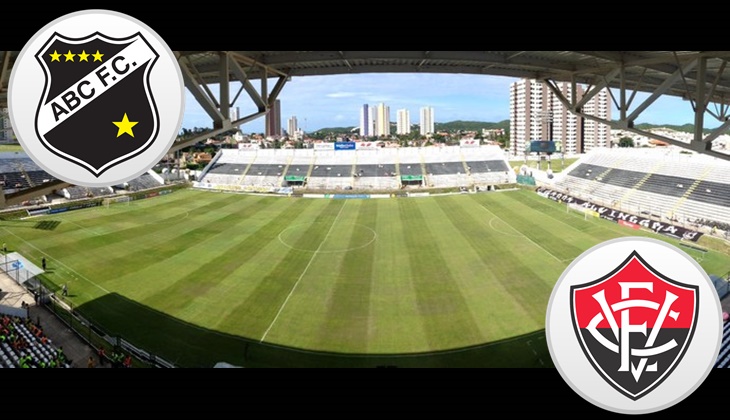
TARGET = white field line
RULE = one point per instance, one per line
(523, 235)
(301, 276)
(68, 269)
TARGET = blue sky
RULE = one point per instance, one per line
(328, 101)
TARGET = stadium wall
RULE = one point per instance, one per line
(623, 218)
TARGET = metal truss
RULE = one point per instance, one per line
(232, 69)
(699, 79)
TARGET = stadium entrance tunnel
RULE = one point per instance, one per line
(190, 346)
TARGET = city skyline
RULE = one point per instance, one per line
(337, 101)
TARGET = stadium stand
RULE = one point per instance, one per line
(376, 170)
(268, 169)
(445, 167)
(24, 345)
(723, 359)
(18, 172)
(665, 184)
(333, 171)
(381, 169)
(78, 193)
(144, 182)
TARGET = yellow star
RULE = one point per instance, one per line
(55, 56)
(69, 56)
(84, 56)
(97, 56)
(125, 126)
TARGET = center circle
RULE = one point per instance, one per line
(294, 237)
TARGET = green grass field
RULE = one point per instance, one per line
(199, 277)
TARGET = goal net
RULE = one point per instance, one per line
(123, 200)
(586, 213)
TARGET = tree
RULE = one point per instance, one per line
(626, 142)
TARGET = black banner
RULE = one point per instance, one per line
(617, 216)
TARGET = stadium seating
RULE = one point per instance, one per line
(18, 172)
(723, 359)
(365, 170)
(23, 344)
(143, 182)
(678, 186)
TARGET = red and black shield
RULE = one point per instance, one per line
(97, 109)
(634, 325)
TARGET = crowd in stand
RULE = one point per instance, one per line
(23, 344)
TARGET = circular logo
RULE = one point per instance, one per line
(634, 325)
(96, 98)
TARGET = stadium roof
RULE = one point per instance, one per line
(696, 76)
(646, 70)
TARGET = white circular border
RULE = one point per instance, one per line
(165, 90)
(575, 368)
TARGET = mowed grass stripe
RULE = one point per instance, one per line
(260, 308)
(213, 270)
(92, 262)
(159, 246)
(395, 318)
(220, 302)
(571, 220)
(530, 224)
(347, 321)
(100, 220)
(135, 231)
(522, 283)
(441, 305)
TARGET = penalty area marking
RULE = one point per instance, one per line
(301, 276)
(494, 228)
(336, 251)
(523, 235)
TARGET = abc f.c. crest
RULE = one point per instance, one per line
(96, 98)
(634, 325)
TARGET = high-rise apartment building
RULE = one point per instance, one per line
(404, 122)
(293, 128)
(273, 120)
(382, 121)
(367, 121)
(536, 114)
(427, 121)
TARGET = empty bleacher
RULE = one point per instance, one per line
(677, 186)
(376, 170)
(144, 182)
(365, 170)
(445, 167)
(18, 172)
(723, 359)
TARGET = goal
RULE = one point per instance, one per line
(123, 200)
(586, 213)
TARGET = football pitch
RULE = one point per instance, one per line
(201, 277)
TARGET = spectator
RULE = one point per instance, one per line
(102, 356)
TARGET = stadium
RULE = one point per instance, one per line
(342, 257)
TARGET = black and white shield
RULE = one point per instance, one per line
(97, 109)
(634, 325)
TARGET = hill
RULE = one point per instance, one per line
(447, 126)
(472, 126)
(686, 128)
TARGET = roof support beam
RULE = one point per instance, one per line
(204, 97)
(246, 84)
